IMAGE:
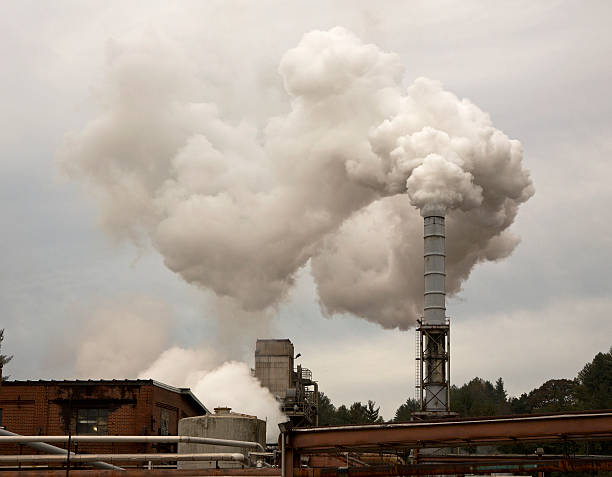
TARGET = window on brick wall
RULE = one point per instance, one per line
(92, 421)
(164, 424)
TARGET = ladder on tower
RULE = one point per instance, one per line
(418, 366)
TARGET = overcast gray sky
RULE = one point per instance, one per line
(542, 70)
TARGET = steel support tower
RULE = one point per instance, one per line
(433, 331)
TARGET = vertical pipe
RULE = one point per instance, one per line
(68, 453)
(448, 367)
(422, 364)
(282, 454)
(316, 391)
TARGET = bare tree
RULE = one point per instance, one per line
(4, 359)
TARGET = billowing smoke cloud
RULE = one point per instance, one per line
(229, 384)
(335, 180)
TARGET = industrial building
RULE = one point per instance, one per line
(101, 407)
(293, 388)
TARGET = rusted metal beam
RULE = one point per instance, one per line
(452, 458)
(574, 426)
(559, 465)
(590, 464)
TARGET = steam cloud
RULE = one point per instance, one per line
(229, 384)
(111, 346)
(336, 181)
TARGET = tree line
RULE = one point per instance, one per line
(590, 389)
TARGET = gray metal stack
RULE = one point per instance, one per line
(433, 332)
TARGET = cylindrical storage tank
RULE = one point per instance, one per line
(223, 424)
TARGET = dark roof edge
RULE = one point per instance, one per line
(187, 392)
(130, 382)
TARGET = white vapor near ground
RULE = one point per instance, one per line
(239, 210)
(130, 338)
(229, 384)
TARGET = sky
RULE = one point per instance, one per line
(67, 286)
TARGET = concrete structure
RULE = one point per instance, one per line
(433, 332)
(295, 390)
(274, 365)
(223, 424)
(104, 407)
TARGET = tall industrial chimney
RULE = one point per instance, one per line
(433, 333)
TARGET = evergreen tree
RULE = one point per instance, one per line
(595, 382)
(371, 413)
(404, 412)
(554, 395)
(327, 411)
(357, 413)
(343, 416)
(501, 393)
(480, 398)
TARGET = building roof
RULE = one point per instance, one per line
(117, 382)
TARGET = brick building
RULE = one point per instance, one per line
(104, 407)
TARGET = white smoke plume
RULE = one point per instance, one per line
(227, 385)
(238, 209)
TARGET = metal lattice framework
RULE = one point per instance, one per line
(433, 367)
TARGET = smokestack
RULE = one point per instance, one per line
(434, 311)
(433, 359)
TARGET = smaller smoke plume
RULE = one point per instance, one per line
(230, 384)
(176, 365)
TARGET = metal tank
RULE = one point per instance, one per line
(223, 424)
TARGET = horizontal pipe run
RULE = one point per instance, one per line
(519, 467)
(452, 458)
(31, 459)
(36, 444)
(16, 439)
(584, 425)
